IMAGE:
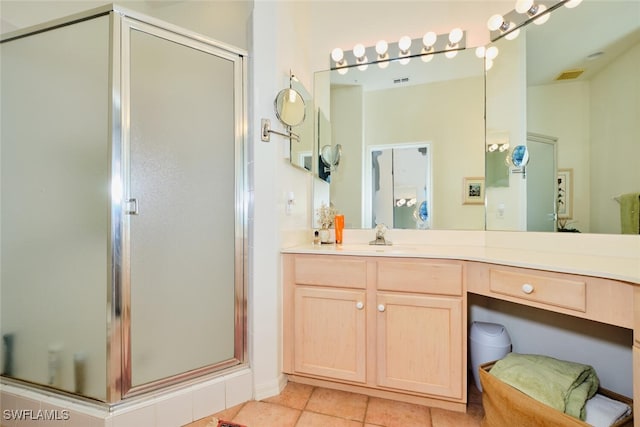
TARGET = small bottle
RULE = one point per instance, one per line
(316, 237)
(339, 227)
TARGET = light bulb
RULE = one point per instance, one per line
(488, 63)
(451, 53)
(495, 22)
(480, 51)
(504, 147)
(455, 35)
(429, 39)
(404, 44)
(492, 52)
(381, 48)
(358, 51)
(427, 58)
(513, 34)
(523, 6)
(493, 147)
(363, 66)
(572, 3)
(544, 18)
(343, 70)
(337, 55)
(382, 65)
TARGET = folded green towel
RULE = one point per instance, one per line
(630, 213)
(565, 386)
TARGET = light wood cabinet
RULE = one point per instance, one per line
(388, 327)
(330, 333)
(419, 344)
(636, 356)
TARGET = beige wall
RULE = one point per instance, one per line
(615, 129)
(596, 128)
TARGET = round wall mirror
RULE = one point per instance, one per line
(520, 156)
(330, 155)
(290, 107)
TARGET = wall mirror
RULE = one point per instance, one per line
(409, 135)
(300, 150)
(568, 90)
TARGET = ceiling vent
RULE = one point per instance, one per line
(570, 74)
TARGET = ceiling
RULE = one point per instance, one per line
(571, 35)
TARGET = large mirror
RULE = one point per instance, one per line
(568, 90)
(301, 149)
(409, 136)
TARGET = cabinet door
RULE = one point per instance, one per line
(330, 333)
(419, 344)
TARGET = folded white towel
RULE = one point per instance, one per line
(603, 411)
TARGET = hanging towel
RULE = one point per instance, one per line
(630, 213)
(603, 412)
(563, 385)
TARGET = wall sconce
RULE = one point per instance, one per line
(508, 26)
(402, 51)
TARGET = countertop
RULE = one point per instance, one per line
(620, 268)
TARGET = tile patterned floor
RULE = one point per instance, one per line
(302, 405)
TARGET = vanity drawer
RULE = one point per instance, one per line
(422, 276)
(553, 291)
(335, 271)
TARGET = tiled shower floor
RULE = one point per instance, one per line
(301, 405)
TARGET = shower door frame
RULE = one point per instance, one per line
(119, 375)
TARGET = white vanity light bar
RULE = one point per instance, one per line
(517, 19)
(342, 59)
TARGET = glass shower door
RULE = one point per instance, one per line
(181, 206)
(54, 219)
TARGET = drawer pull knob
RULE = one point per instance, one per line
(527, 288)
(381, 308)
(359, 305)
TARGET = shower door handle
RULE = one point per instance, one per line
(132, 205)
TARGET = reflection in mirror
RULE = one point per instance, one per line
(400, 174)
(301, 151)
(430, 111)
(566, 90)
(290, 107)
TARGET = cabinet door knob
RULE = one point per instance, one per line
(381, 307)
(527, 288)
(359, 305)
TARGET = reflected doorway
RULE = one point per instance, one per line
(400, 183)
(541, 173)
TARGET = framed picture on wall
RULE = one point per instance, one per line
(565, 194)
(473, 191)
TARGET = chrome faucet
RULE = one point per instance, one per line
(380, 239)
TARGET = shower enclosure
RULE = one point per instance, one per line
(122, 205)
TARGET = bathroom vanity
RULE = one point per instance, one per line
(392, 322)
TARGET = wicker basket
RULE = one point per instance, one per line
(506, 406)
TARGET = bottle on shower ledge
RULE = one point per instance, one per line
(7, 354)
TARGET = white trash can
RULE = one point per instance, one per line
(487, 342)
